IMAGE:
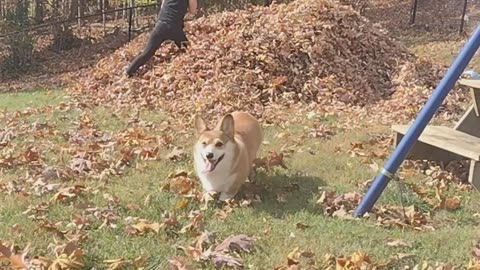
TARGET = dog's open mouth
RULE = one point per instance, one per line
(210, 165)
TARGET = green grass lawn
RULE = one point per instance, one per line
(315, 165)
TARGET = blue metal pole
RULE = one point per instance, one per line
(425, 115)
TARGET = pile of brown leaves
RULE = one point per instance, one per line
(267, 58)
(343, 205)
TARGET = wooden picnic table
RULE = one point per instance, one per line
(462, 142)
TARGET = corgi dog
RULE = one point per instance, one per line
(224, 155)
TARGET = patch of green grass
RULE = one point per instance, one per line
(23, 100)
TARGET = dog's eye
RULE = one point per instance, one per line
(204, 143)
(219, 144)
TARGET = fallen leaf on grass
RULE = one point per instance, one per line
(182, 203)
(398, 243)
(301, 226)
(273, 159)
(117, 264)
(224, 260)
(343, 214)
(297, 259)
(179, 183)
(208, 197)
(196, 224)
(147, 200)
(140, 261)
(473, 265)
(68, 193)
(221, 255)
(341, 205)
(237, 243)
(143, 227)
(452, 203)
(293, 256)
(72, 261)
(357, 260)
(393, 216)
(17, 260)
(177, 154)
(179, 263)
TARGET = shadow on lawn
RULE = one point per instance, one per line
(283, 194)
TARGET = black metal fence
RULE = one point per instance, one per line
(445, 16)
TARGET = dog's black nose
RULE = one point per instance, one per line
(209, 155)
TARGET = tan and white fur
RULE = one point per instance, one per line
(224, 155)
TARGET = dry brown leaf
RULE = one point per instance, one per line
(398, 243)
(273, 159)
(301, 226)
(239, 243)
(179, 183)
(143, 227)
(68, 193)
(179, 263)
(452, 203)
(17, 260)
(116, 264)
(177, 154)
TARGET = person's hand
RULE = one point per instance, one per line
(189, 16)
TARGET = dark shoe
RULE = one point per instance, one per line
(128, 74)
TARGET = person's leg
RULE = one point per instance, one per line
(181, 39)
(157, 37)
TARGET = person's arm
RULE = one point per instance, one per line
(192, 7)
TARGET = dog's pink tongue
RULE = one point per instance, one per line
(209, 166)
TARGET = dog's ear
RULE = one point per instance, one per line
(227, 125)
(200, 125)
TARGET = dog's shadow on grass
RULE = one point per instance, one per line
(284, 194)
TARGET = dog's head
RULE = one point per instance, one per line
(214, 145)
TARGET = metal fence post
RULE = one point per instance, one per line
(79, 13)
(130, 15)
(414, 12)
(104, 19)
(462, 23)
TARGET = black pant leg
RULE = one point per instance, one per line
(159, 34)
(180, 38)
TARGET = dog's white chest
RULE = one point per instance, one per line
(216, 182)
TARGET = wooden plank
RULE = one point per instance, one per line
(448, 139)
(476, 100)
(469, 123)
(474, 174)
(423, 151)
(475, 92)
(470, 83)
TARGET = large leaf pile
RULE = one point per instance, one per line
(263, 58)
